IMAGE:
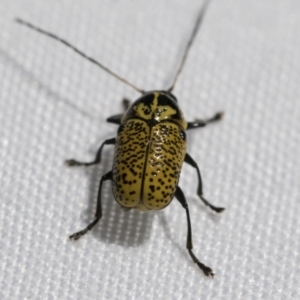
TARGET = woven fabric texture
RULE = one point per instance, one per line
(53, 104)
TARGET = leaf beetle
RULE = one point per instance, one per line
(150, 148)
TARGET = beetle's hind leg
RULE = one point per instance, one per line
(201, 123)
(97, 160)
(189, 244)
(188, 159)
(98, 215)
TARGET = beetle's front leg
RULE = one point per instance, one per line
(116, 119)
(126, 103)
(73, 162)
(201, 123)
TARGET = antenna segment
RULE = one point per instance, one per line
(190, 42)
(182, 63)
(80, 53)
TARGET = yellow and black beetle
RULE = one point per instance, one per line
(150, 149)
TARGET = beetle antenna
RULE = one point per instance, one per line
(190, 42)
(79, 52)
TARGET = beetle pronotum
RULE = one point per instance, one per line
(150, 148)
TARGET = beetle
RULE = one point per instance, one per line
(150, 148)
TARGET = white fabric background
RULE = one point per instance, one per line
(245, 61)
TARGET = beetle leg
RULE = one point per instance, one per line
(189, 244)
(126, 103)
(73, 162)
(188, 159)
(98, 215)
(116, 119)
(201, 123)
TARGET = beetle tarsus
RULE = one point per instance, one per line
(206, 270)
(73, 162)
(202, 123)
(214, 208)
(217, 117)
(76, 236)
